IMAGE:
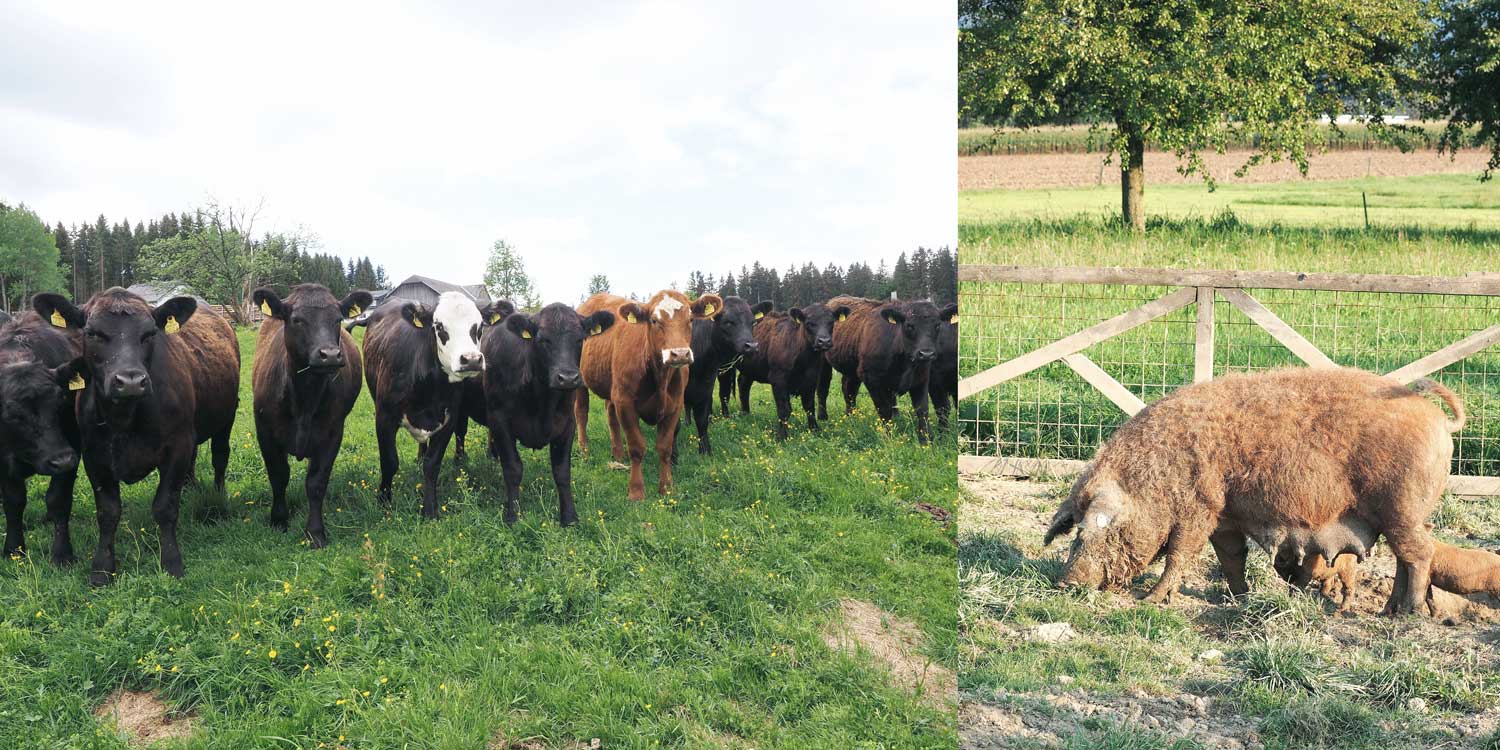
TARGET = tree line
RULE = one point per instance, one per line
(925, 274)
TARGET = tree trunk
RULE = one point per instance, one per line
(1133, 181)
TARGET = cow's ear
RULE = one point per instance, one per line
(57, 310)
(950, 314)
(417, 314)
(797, 314)
(841, 313)
(893, 316)
(174, 313)
(70, 375)
(598, 323)
(707, 306)
(761, 308)
(631, 312)
(357, 302)
(497, 311)
(521, 325)
(270, 304)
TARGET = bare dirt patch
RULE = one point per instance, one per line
(894, 643)
(1463, 631)
(1018, 171)
(143, 718)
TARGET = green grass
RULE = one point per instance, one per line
(687, 621)
(1053, 139)
(1430, 202)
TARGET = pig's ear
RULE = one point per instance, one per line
(1107, 504)
(1062, 521)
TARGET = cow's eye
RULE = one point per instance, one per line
(95, 334)
(474, 333)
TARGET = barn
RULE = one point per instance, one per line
(424, 290)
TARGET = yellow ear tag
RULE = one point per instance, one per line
(843, 318)
(171, 326)
(494, 318)
(354, 311)
(416, 322)
(525, 334)
(630, 317)
(891, 321)
(597, 329)
(57, 320)
(265, 308)
(76, 384)
(709, 308)
(759, 315)
(954, 319)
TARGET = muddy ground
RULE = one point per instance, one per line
(1017, 171)
(1466, 631)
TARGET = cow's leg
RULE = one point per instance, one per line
(726, 385)
(705, 415)
(562, 476)
(581, 418)
(432, 465)
(219, 447)
(616, 440)
(1230, 547)
(511, 468)
(825, 381)
(1413, 549)
(60, 513)
(809, 396)
(630, 424)
(164, 507)
(13, 491)
(919, 410)
(850, 385)
(783, 408)
(390, 460)
(319, 470)
(745, 383)
(460, 432)
(107, 513)
(666, 436)
(1183, 546)
(939, 398)
(273, 455)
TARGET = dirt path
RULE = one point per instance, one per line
(1464, 631)
(1014, 171)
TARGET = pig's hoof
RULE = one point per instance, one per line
(1159, 595)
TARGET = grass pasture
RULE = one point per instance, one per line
(695, 620)
(1279, 669)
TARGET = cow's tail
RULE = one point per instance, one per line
(1425, 385)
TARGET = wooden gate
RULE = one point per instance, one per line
(1472, 299)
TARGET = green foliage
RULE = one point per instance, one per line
(216, 257)
(686, 621)
(505, 277)
(598, 283)
(28, 257)
(1460, 75)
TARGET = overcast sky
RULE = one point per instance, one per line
(641, 140)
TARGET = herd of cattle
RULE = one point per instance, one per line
(134, 389)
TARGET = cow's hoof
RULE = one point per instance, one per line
(279, 524)
(63, 559)
(316, 539)
(173, 568)
(568, 521)
(101, 578)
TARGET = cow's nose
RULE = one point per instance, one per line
(925, 355)
(567, 380)
(471, 360)
(824, 342)
(128, 384)
(749, 347)
(330, 356)
(680, 357)
(61, 462)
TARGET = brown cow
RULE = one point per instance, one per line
(889, 346)
(1304, 461)
(306, 380)
(790, 358)
(639, 367)
(159, 383)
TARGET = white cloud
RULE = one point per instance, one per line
(640, 140)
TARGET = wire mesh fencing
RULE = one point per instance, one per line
(1051, 412)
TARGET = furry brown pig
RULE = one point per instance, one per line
(1457, 570)
(1337, 580)
(1303, 461)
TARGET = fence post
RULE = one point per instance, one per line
(1203, 337)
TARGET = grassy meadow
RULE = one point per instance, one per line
(696, 620)
(1278, 669)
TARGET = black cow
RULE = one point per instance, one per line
(531, 376)
(161, 382)
(473, 400)
(889, 346)
(942, 380)
(306, 379)
(39, 364)
(718, 344)
(790, 358)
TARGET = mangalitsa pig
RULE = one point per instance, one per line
(1301, 461)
